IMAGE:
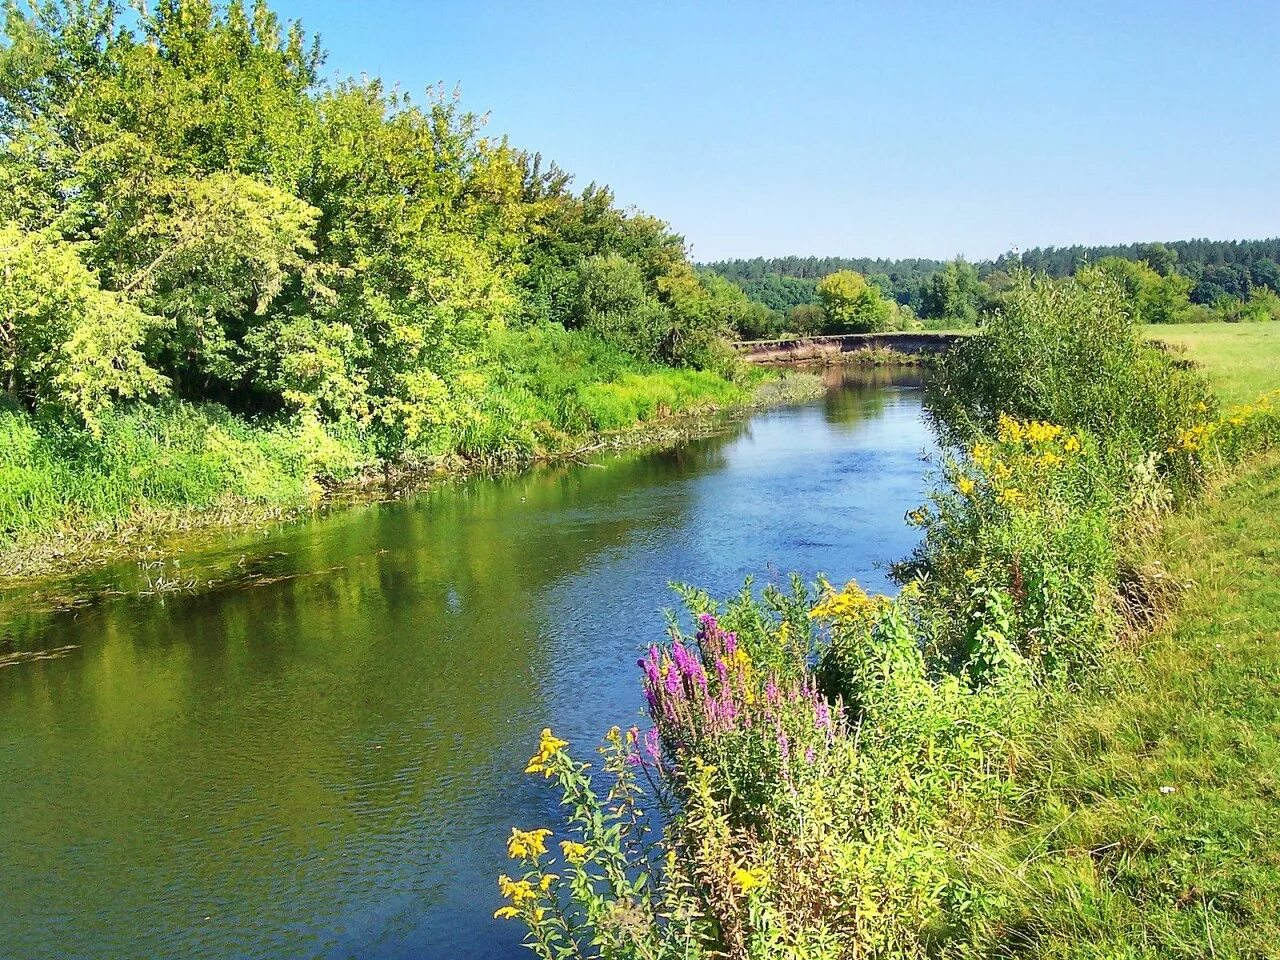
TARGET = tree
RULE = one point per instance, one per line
(851, 305)
(66, 345)
(615, 306)
(1159, 257)
(955, 295)
(1149, 296)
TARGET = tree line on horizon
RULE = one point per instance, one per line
(1223, 279)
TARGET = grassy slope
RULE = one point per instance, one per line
(1241, 358)
(1153, 818)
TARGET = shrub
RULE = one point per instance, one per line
(1068, 353)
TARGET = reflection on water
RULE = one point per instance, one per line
(320, 756)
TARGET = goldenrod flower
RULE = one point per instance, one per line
(1010, 496)
(965, 486)
(1008, 430)
(746, 880)
(573, 851)
(506, 913)
(527, 843)
(850, 602)
(1071, 445)
(548, 746)
(517, 891)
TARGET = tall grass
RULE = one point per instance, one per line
(174, 456)
(545, 391)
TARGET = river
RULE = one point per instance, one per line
(320, 754)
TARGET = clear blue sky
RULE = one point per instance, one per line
(878, 129)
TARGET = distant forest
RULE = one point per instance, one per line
(1218, 270)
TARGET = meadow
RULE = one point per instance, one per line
(1239, 358)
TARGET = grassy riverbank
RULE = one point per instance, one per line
(1002, 760)
(160, 472)
(1148, 819)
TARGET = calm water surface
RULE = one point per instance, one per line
(320, 757)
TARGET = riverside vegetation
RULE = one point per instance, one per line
(227, 281)
(230, 283)
(830, 774)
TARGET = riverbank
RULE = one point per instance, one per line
(1147, 821)
(1148, 811)
(73, 541)
(888, 347)
(874, 758)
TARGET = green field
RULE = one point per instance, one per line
(1149, 825)
(1242, 359)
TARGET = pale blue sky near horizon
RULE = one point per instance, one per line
(866, 129)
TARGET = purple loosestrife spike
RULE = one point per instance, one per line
(730, 643)
(672, 680)
(651, 742)
(823, 715)
(784, 745)
(722, 669)
(771, 691)
(809, 755)
(684, 660)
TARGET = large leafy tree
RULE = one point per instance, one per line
(66, 345)
(852, 305)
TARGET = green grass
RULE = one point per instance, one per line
(1151, 823)
(1241, 359)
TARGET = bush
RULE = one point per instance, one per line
(1069, 353)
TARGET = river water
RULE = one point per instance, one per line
(320, 754)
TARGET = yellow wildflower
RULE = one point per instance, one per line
(527, 843)
(1008, 430)
(746, 880)
(850, 602)
(548, 746)
(517, 891)
(981, 454)
(506, 913)
(547, 880)
(1010, 496)
(573, 851)
(1001, 471)
(1040, 432)
(1071, 445)
(965, 486)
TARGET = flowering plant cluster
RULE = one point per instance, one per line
(761, 729)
